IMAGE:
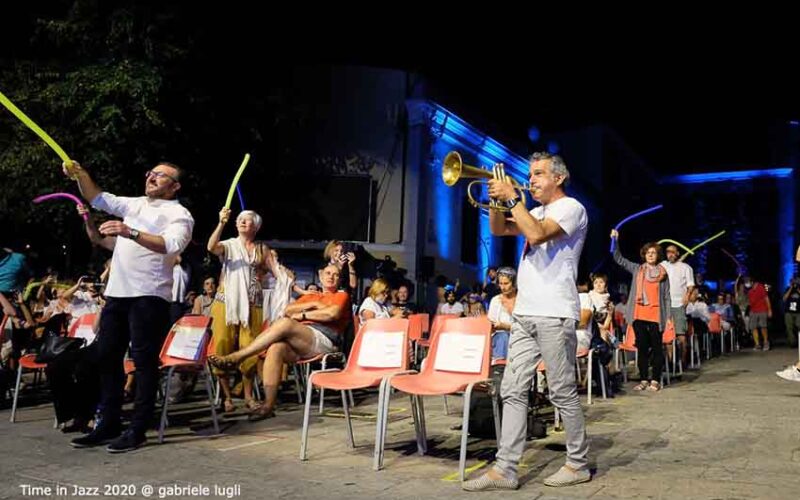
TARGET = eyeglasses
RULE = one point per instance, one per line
(159, 175)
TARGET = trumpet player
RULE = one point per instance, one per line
(543, 320)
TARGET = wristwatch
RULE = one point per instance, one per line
(510, 204)
(134, 234)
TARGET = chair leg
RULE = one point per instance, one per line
(210, 393)
(306, 415)
(462, 459)
(163, 423)
(297, 384)
(349, 423)
(321, 390)
(602, 371)
(16, 393)
(496, 416)
(423, 427)
(417, 431)
(589, 377)
(380, 427)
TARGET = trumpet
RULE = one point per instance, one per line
(454, 169)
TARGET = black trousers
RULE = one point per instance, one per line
(74, 379)
(650, 347)
(143, 322)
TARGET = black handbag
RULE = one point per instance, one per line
(56, 345)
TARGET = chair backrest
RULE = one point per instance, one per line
(194, 326)
(380, 346)
(438, 323)
(669, 333)
(83, 328)
(416, 325)
(629, 341)
(715, 323)
(462, 347)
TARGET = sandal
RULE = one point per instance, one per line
(222, 362)
(654, 386)
(260, 414)
(252, 404)
(228, 406)
(641, 386)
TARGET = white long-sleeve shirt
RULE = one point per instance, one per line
(135, 270)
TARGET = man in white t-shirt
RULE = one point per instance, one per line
(681, 283)
(545, 316)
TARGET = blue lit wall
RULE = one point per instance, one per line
(453, 133)
(737, 236)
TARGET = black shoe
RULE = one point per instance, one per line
(128, 441)
(101, 435)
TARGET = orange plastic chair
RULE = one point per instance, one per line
(417, 325)
(438, 322)
(715, 328)
(199, 325)
(359, 373)
(628, 344)
(439, 379)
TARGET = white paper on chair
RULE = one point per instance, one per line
(186, 343)
(381, 350)
(458, 352)
(85, 332)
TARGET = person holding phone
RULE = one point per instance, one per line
(791, 315)
(336, 255)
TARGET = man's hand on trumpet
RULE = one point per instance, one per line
(502, 190)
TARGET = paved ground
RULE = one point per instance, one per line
(729, 431)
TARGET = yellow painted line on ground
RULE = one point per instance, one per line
(454, 476)
(362, 415)
(247, 445)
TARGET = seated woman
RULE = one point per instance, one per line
(74, 379)
(374, 306)
(312, 325)
(500, 309)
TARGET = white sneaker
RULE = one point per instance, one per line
(790, 373)
(766, 346)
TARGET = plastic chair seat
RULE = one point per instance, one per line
(28, 362)
(341, 381)
(434, 383)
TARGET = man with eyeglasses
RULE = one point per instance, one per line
(154, 230)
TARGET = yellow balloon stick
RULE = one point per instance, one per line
(708, 240)
(236, 180)
(688, 250)
(36, 129)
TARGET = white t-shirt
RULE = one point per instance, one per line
(547, 272)
(180, 283)
(135, 270)
(456, 309)
(585, 334)
(381, 310)
(497, 313)
(681, 277)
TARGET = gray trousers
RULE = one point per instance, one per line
(552, 340)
